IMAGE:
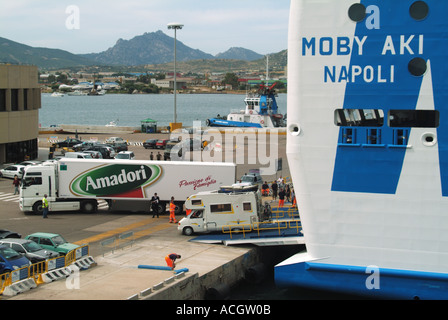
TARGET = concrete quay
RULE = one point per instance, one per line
(117, 276)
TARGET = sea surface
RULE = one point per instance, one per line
(130, 109)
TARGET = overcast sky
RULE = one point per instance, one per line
(210, 25)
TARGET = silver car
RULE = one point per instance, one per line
(11, 171)
(30, 249)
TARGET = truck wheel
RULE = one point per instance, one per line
(89, 206)
(179, 208)
(188, 231)
(37, 207)
(161, 208)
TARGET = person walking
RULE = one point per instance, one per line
(171, 260)
(159, 156)
(172, 211)
(274, 187)
(151, 156)
(281, 198)
(44, 207)
(16, 184)
(155, 205)
(288, 193)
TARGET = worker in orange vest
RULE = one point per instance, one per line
(172, 210)
(171, 260)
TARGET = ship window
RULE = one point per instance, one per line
(359, 117)
(348, 136)
(400, 137)
(224, 207)
(414, 118)
(373, 136)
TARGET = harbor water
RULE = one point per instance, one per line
(130, 109)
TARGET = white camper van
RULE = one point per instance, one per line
(210, 211)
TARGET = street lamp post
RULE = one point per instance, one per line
(176, 26)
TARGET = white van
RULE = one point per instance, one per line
(211, 211)
(125, 155)
(78, 155)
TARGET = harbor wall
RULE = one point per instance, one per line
(214, 283)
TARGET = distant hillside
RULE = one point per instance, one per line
(17, 53)
(277, 61)
(236, 53)
(149, 48)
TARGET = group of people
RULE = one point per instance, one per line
(159, 156)
(155, 201)
(279, 190)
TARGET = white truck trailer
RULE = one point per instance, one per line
(211, 211)
(77, 184)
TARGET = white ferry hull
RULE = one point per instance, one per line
(370, 204)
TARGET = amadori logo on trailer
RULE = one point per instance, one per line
(114, 180)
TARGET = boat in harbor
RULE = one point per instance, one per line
(77, 93)
(57, 94)
(261, 111)
(367, 147)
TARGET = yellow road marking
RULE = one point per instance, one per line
(111, 233)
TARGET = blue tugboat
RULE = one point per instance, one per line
(261, 112)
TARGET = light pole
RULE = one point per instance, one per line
(176, 26)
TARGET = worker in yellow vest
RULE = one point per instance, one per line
(45, 206)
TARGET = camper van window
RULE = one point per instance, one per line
(196, 214)
(225, 207)
(247, 206)
(197, 202)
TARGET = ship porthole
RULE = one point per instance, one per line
(417, 67)
(357, 12)
(419, 10)
(429, 139)
(294, 130)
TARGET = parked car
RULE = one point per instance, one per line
(192, 144)
(120, 146)
(94, 154)
(9, 234)
(68, 143)
(84, 145)
(125, 155)
(30, 163)
(150, 144)
(30, 249)
(78, 155)
(113, 140)
(172, 147)
(11, 260)
(52, 241)
(160, 144)
(106, 151)
(11, 171)
(252, 178)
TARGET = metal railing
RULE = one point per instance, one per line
(36, 270)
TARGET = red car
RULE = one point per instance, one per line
(161, 144)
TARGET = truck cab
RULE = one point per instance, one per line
(211, 211)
